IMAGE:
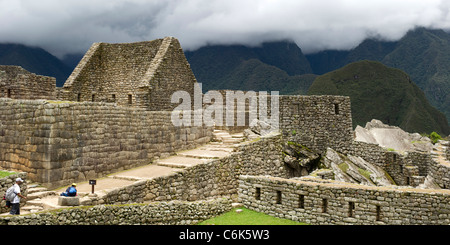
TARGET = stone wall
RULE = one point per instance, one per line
(141, 74)
(372, 153)
(9, 181)
(18, 83)
(440, 174)
(213, 179)
(409, 168)
(110, 72)
(341, 203)
(317, 122)
(58, 142)
(172, 73)
(157, 213)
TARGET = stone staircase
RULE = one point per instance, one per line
(227, 138)
(439, 152)
(35, 196)
(222, 145)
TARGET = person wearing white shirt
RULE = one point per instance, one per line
(15, 204)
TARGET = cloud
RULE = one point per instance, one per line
(73, 25)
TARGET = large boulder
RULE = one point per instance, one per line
(353, 169)
(68, 201)
(300, 159)
(392, 137)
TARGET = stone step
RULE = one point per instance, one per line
(32, 209)
(36, 189)
(35, 202)
(231, 140)
(238, 135)
(180, 162)
(203, 154)
(40, 194)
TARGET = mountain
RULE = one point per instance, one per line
(425, 55)
(380, 92)
(35, 60)
(275, 66)
(422, 53)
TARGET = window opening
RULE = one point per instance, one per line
(301, 201)
(278, 197)
(258, 193)
(351, 209)
(336, 109)
(378, 213)
(324, 205)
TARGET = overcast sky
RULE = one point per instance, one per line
(70, 26)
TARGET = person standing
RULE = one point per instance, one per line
(15, 203)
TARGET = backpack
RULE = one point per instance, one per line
(9, 196)
(72, 191)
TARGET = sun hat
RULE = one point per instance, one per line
(19, 179)
(73, 184)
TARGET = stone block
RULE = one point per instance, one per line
(68, 201)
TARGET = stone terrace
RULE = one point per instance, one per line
(224, 145)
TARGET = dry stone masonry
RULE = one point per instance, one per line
(143, 74)
(18, 83)
(156, 213)
(328, 202)
(57, 143)
(115, 113)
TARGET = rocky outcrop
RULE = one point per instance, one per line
(300, 159)
(392, 137)
(355, 170)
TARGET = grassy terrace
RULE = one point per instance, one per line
(4, 174)
(247, 217)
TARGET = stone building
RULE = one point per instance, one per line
(18, 83)
(142, 74)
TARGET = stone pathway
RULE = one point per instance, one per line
(40, 198)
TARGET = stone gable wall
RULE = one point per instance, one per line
(18, 83)
(109, 70)
(142, 74)
(173, 74)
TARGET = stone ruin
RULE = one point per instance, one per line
(114, 113)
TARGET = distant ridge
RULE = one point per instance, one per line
(422, 53)
(279, 66)
(35, 60)
(380, 92)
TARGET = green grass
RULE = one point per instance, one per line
(4, 174)
(344, 167)
(247, 217)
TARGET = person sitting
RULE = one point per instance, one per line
(71, 191)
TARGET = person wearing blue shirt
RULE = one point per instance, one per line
(71, 191)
